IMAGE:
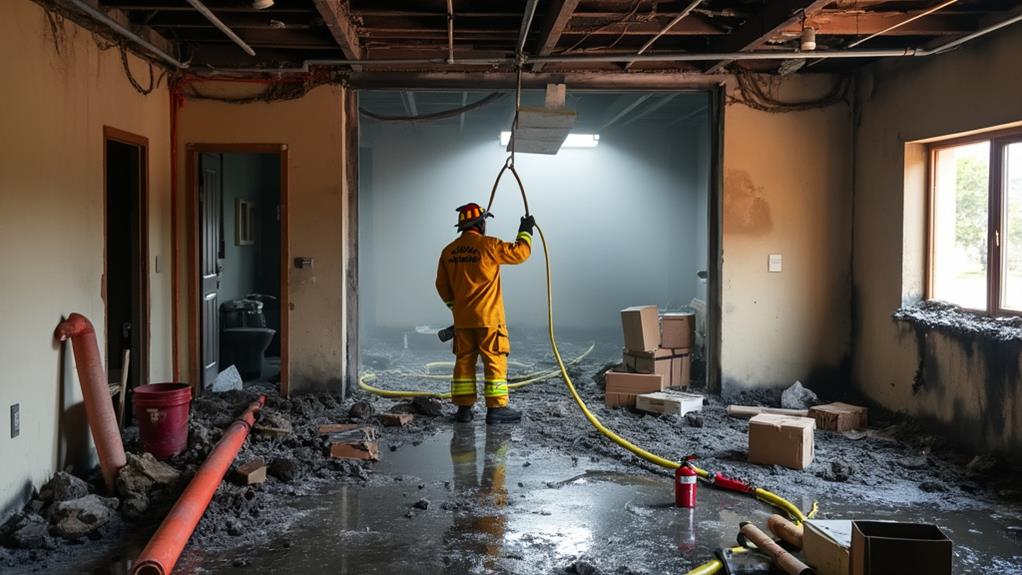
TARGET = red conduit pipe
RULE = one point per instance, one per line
(99, 407)
(164, 549)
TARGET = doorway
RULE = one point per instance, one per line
(239, 252)
(125, 159)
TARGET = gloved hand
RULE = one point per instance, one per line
(528, 223)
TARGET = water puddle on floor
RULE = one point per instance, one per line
(496, 505)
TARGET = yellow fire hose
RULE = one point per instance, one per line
(515, 382)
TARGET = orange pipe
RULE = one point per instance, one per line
(99, 407)
(164, 549)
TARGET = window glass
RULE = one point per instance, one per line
(1011, 240)
(960, 224)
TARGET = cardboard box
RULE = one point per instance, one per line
(675, 365)
(622, 388)
(781, 440)
(839, 416)
(826, 545)
(669, 402)
(890, 548)
(641, 326)
(683, 373)
(614, 400)
(677, 330)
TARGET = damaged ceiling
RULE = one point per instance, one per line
(292, 32)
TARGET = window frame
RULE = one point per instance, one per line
(999, 141)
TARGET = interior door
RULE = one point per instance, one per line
(210, 224)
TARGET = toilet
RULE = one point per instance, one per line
(244, 337)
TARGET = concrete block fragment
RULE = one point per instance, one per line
(252, 472)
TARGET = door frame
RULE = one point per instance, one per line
(194, 229)
(142, 143)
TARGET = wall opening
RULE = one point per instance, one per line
(626, 218)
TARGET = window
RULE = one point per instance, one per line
(976, 223)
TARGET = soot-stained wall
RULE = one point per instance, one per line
(965, 384)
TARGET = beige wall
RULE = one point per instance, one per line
(787, 191)
(973, 389)
(313, 130)
(51, 229)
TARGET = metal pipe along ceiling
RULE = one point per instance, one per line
(122, 31)
(223, 27)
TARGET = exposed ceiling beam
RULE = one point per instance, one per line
(775, 16)
(177, 6)
(337, 18)
(557, 18)
(851, 24)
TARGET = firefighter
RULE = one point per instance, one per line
(468, 281)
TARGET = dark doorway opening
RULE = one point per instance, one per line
(240, 240)
(127, 248)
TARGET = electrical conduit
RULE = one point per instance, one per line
(164, 549)
(99, 408)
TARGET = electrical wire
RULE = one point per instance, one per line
(452, 113)
(131, 77)
(754, 94)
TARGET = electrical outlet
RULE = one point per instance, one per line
(775, 263)
(15, 420)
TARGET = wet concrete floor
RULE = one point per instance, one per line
(497, 505)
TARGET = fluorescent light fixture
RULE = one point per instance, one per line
(572, 141)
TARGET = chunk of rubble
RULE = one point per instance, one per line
(137, 480)
(798, 397)
(32, 532)
(360, 411)
(429, 406)
(272, 424)
(64, 487)
(80, 517)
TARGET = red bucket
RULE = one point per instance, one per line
(161, 410)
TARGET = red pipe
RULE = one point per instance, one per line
(164, 549)
(99, 408)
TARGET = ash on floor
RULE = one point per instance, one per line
(895, 465)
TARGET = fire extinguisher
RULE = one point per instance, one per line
(685, 485)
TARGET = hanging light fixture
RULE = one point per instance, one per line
(808, 38)
(808, 43)
(262, 4)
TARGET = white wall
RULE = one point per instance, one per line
(55, 106)
(621, 220)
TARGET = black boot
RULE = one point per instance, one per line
(502, 415)
(464, 414)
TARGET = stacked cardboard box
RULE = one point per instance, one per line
(650, 349)
(624, 387)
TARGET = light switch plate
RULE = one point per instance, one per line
(15, 420)
(775, 263)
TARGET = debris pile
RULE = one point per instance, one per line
(285, 457)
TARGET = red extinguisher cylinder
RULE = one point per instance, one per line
(685, 487)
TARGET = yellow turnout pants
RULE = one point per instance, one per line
(469, 344)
